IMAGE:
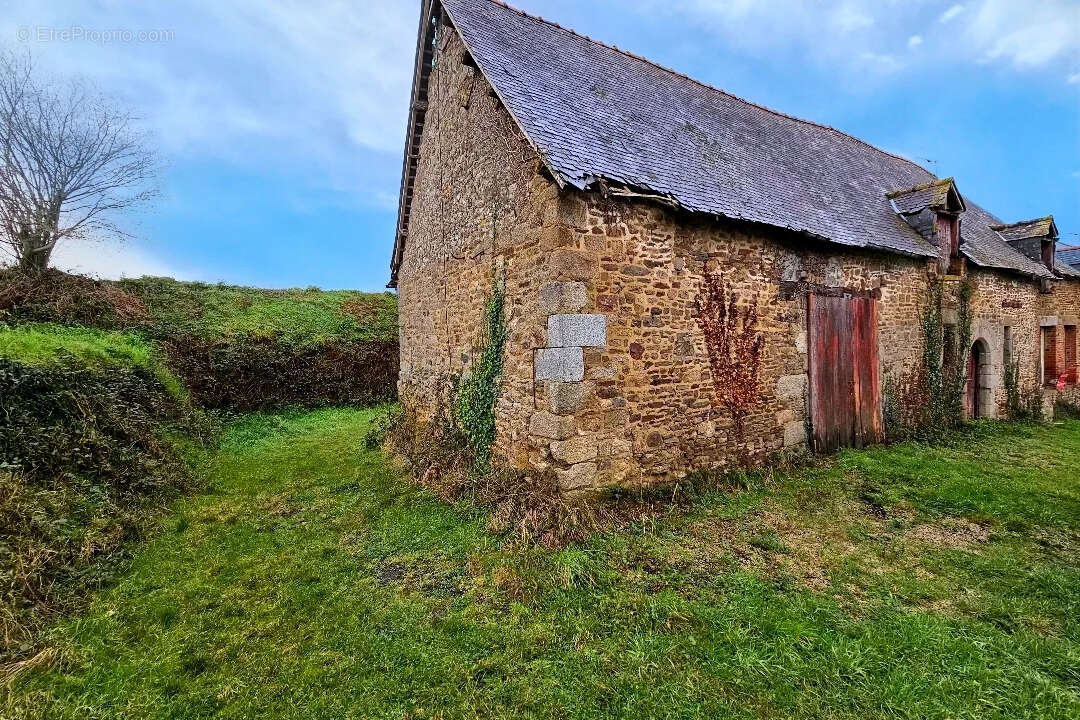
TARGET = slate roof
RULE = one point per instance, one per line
(595, 112)
(987, 248)
(1070, 256)
(1042, 227)
(1067, 262)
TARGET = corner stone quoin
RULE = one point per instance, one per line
(562, 297)
(566, 364)
(577, 331)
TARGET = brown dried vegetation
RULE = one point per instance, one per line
(734, 345)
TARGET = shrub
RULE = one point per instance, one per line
(1020, 405)
(238, 348)
(262, 374)
(927, 400)
(85, 463)
(57, 297)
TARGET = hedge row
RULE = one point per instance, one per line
(237, 349)
(260, 374)
(86, 464)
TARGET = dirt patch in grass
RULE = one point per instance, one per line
(953, 533)
(421, 575)
(777, 544)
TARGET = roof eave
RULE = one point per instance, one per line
(427, 12)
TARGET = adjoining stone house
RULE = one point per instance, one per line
(603, 189)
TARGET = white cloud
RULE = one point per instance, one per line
(951, 13)
(113, 261)
(319, 87)
(880, 62)
(1026, 36)
(1074, 78)
(849, 17)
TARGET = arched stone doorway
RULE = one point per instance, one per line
(978, 396)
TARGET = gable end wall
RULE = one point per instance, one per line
(477, 209)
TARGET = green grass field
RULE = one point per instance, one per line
(295, 317)
(313, 581)
(43, 344)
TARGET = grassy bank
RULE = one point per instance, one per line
(312, 580)
(53, 346)
(297, 317)
(90, 452)
(235, 348)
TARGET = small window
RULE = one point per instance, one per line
(1007, 349)
(948, 345)
(1048, 253)
(1070, 353)
(1049, 356)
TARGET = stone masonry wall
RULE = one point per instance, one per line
(638, 407)
(626, 397)
(1001, 300)
(477, 214)
(1061, 308)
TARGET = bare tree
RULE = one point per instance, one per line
(71, 163)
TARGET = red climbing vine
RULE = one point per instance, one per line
(734, 346)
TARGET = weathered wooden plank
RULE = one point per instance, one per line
(876, 431)
(823, 371)
(845, 373)
(867, 373)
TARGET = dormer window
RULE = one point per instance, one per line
(1035, 239)
(933, 210)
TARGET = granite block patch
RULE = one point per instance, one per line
(577, 330)
(566, 364)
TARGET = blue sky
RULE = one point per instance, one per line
(280, 124)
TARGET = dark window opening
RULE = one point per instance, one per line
(1049, 355)
(948, 346)
(1048, 253)
(1007, 349)
(1070, 354)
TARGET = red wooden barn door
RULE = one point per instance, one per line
(845, 376)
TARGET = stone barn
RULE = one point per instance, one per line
(689, 278)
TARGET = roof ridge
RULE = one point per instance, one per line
(1032, 221)
(921, 186)
(706, 85)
